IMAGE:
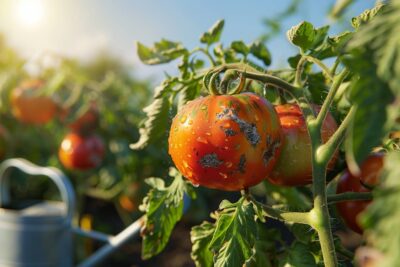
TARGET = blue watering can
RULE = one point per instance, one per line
(39, 234)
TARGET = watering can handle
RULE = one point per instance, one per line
(61, 181)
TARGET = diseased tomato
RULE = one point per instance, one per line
(369, 177)
(29, 106)
(87, 121)
(226, 142)
(294, 166)
(81, 152)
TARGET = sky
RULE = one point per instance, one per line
(80, 28)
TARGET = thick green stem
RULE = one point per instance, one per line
(294, 217)
(326, 151)
(329, 98)
(320, 216)
(349, 196)
(300, 66)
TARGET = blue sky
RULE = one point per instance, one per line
(79, 28)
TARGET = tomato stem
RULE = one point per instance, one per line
(353, 196)
(326, 151)
(337, 81)
(294, 217)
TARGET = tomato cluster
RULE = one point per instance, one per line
(368, 178)
(231, 142)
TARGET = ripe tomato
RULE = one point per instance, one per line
(294, 166)
(29, 106)
(369, 177)
(87, 120)
(227, 142)
(81, 152)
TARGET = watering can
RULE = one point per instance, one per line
(39, 234)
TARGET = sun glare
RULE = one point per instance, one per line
(30, 12)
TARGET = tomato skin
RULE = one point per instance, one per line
(294, 166)
(78, 152)
(29, 107)
(369, 177)
(226, 142)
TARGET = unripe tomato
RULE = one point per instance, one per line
(369, 177)
(226, 142)
(29, 106)
(79, 152)
(294, 166)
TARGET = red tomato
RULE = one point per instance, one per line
(226, 142)
(369, 177)
(294, 166)
(81, 152)
(29, 106)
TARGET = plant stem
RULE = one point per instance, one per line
(326, 151)
(299, 71)
(320, 219)
(337, 81)
(349, 196)
(295, 217)
(206, 53)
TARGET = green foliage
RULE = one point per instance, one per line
(162, 52)
(298, 255)
(213, 35)
(236, 238)
(381, 219)
(164, 208)
(302, 35)
(156, 123)
(374, 49)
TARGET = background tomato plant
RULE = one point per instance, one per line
(352, 75)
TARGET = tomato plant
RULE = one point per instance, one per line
(294, 164)
(81, 152)
(364, 182)
(29, 105)
(227, 142)
(342, 74)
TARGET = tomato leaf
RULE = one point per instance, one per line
(298, 255)
(162, 52)
(260, 51)
(240, 47)
(236, 234)
(264, 248)
(213, 34)
(156, 123)
(164, 208)
(382, 217)
(375, 49)
(189, 92)
(302, 35)
(201, 236)
(366, 16)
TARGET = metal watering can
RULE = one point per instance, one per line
(39, 234)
